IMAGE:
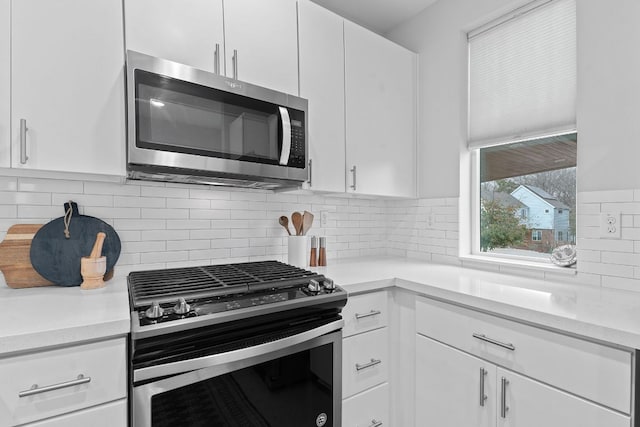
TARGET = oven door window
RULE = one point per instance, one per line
(292, 391)
(182, 117)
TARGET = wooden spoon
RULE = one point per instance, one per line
(284, 221)
(307, 220)
(296, 219)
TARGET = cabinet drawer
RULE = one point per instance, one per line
(365, 361)
(597, 372)
(368, 408)
(365, 312)
(112, 414)
(104, 363)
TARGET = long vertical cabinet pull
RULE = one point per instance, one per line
(310, 172)
(23, 141)
(353, 171)
(503, 397)
(483, 396)
(216, 59)
(234, 59)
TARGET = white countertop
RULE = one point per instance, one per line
(600, 314)
(49, 316)
(38, 318)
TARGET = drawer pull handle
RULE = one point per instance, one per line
(373, 362)
(36, 390)
(485, 338)
(503, 401)
(369, 314)
(375, 423)
(483, 397)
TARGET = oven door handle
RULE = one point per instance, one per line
(181, 366)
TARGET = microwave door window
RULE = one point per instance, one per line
(181, 117)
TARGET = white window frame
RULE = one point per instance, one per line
(473, 252)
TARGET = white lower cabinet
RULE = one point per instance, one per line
(366, 361)
(69, 380)
(368, 409)
(474, 369)
(448, 387)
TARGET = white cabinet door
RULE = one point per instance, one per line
(322, 83)
(67, 76)
(380, 114)
(265, 36)
(533, 404)
(5, 83)
(369, 408)
(448, 387)
(185, 31)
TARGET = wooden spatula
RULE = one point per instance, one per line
(296, 219)
(307, 221)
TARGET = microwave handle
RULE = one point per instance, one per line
(286, 135)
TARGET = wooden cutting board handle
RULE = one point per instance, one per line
(15, 261)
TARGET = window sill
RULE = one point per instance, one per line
(514, 266)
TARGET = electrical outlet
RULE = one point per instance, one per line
(610, 225)
(324, 218)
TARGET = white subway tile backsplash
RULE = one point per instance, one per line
(170, 225)
(24, 198)
(50, 185)
(111, 189)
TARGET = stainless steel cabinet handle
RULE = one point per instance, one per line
(310, 172)
(369, 314)
(234, 60)
(353, 170)
(375, 423)
(36, 390)
(483, 397)
(485, 338)
(216, 59)
(503, 397)
(23, 141)
(373, 362)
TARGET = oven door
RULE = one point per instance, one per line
(292, 382)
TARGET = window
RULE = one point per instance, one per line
(522, 130)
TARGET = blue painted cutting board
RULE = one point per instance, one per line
(57, 258)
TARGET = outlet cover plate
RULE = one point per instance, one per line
(610, 225)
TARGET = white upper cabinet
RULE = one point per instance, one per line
(380, 87)
(5, 83)
(67, 79)
(265, 36)
(257, 40)
(184, 31)
(322, 83)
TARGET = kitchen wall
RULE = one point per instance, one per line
(170, 225)
(608, 107)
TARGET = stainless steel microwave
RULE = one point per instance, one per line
(189, 125)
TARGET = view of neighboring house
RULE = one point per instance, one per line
(545, 217)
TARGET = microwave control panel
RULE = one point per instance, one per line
(297, 153)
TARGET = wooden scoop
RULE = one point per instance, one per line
(284, 221)
(307, 220)
(94, 266)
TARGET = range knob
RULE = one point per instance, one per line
(181, 307)
(329, 285)
(313, 286)
(155, 311)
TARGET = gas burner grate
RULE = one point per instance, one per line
(213, 280)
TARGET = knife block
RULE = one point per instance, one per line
(92, 270)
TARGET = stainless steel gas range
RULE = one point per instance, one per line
(248, 344)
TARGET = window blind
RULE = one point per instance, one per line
(522, 75)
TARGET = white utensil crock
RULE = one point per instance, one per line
(298, 251)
